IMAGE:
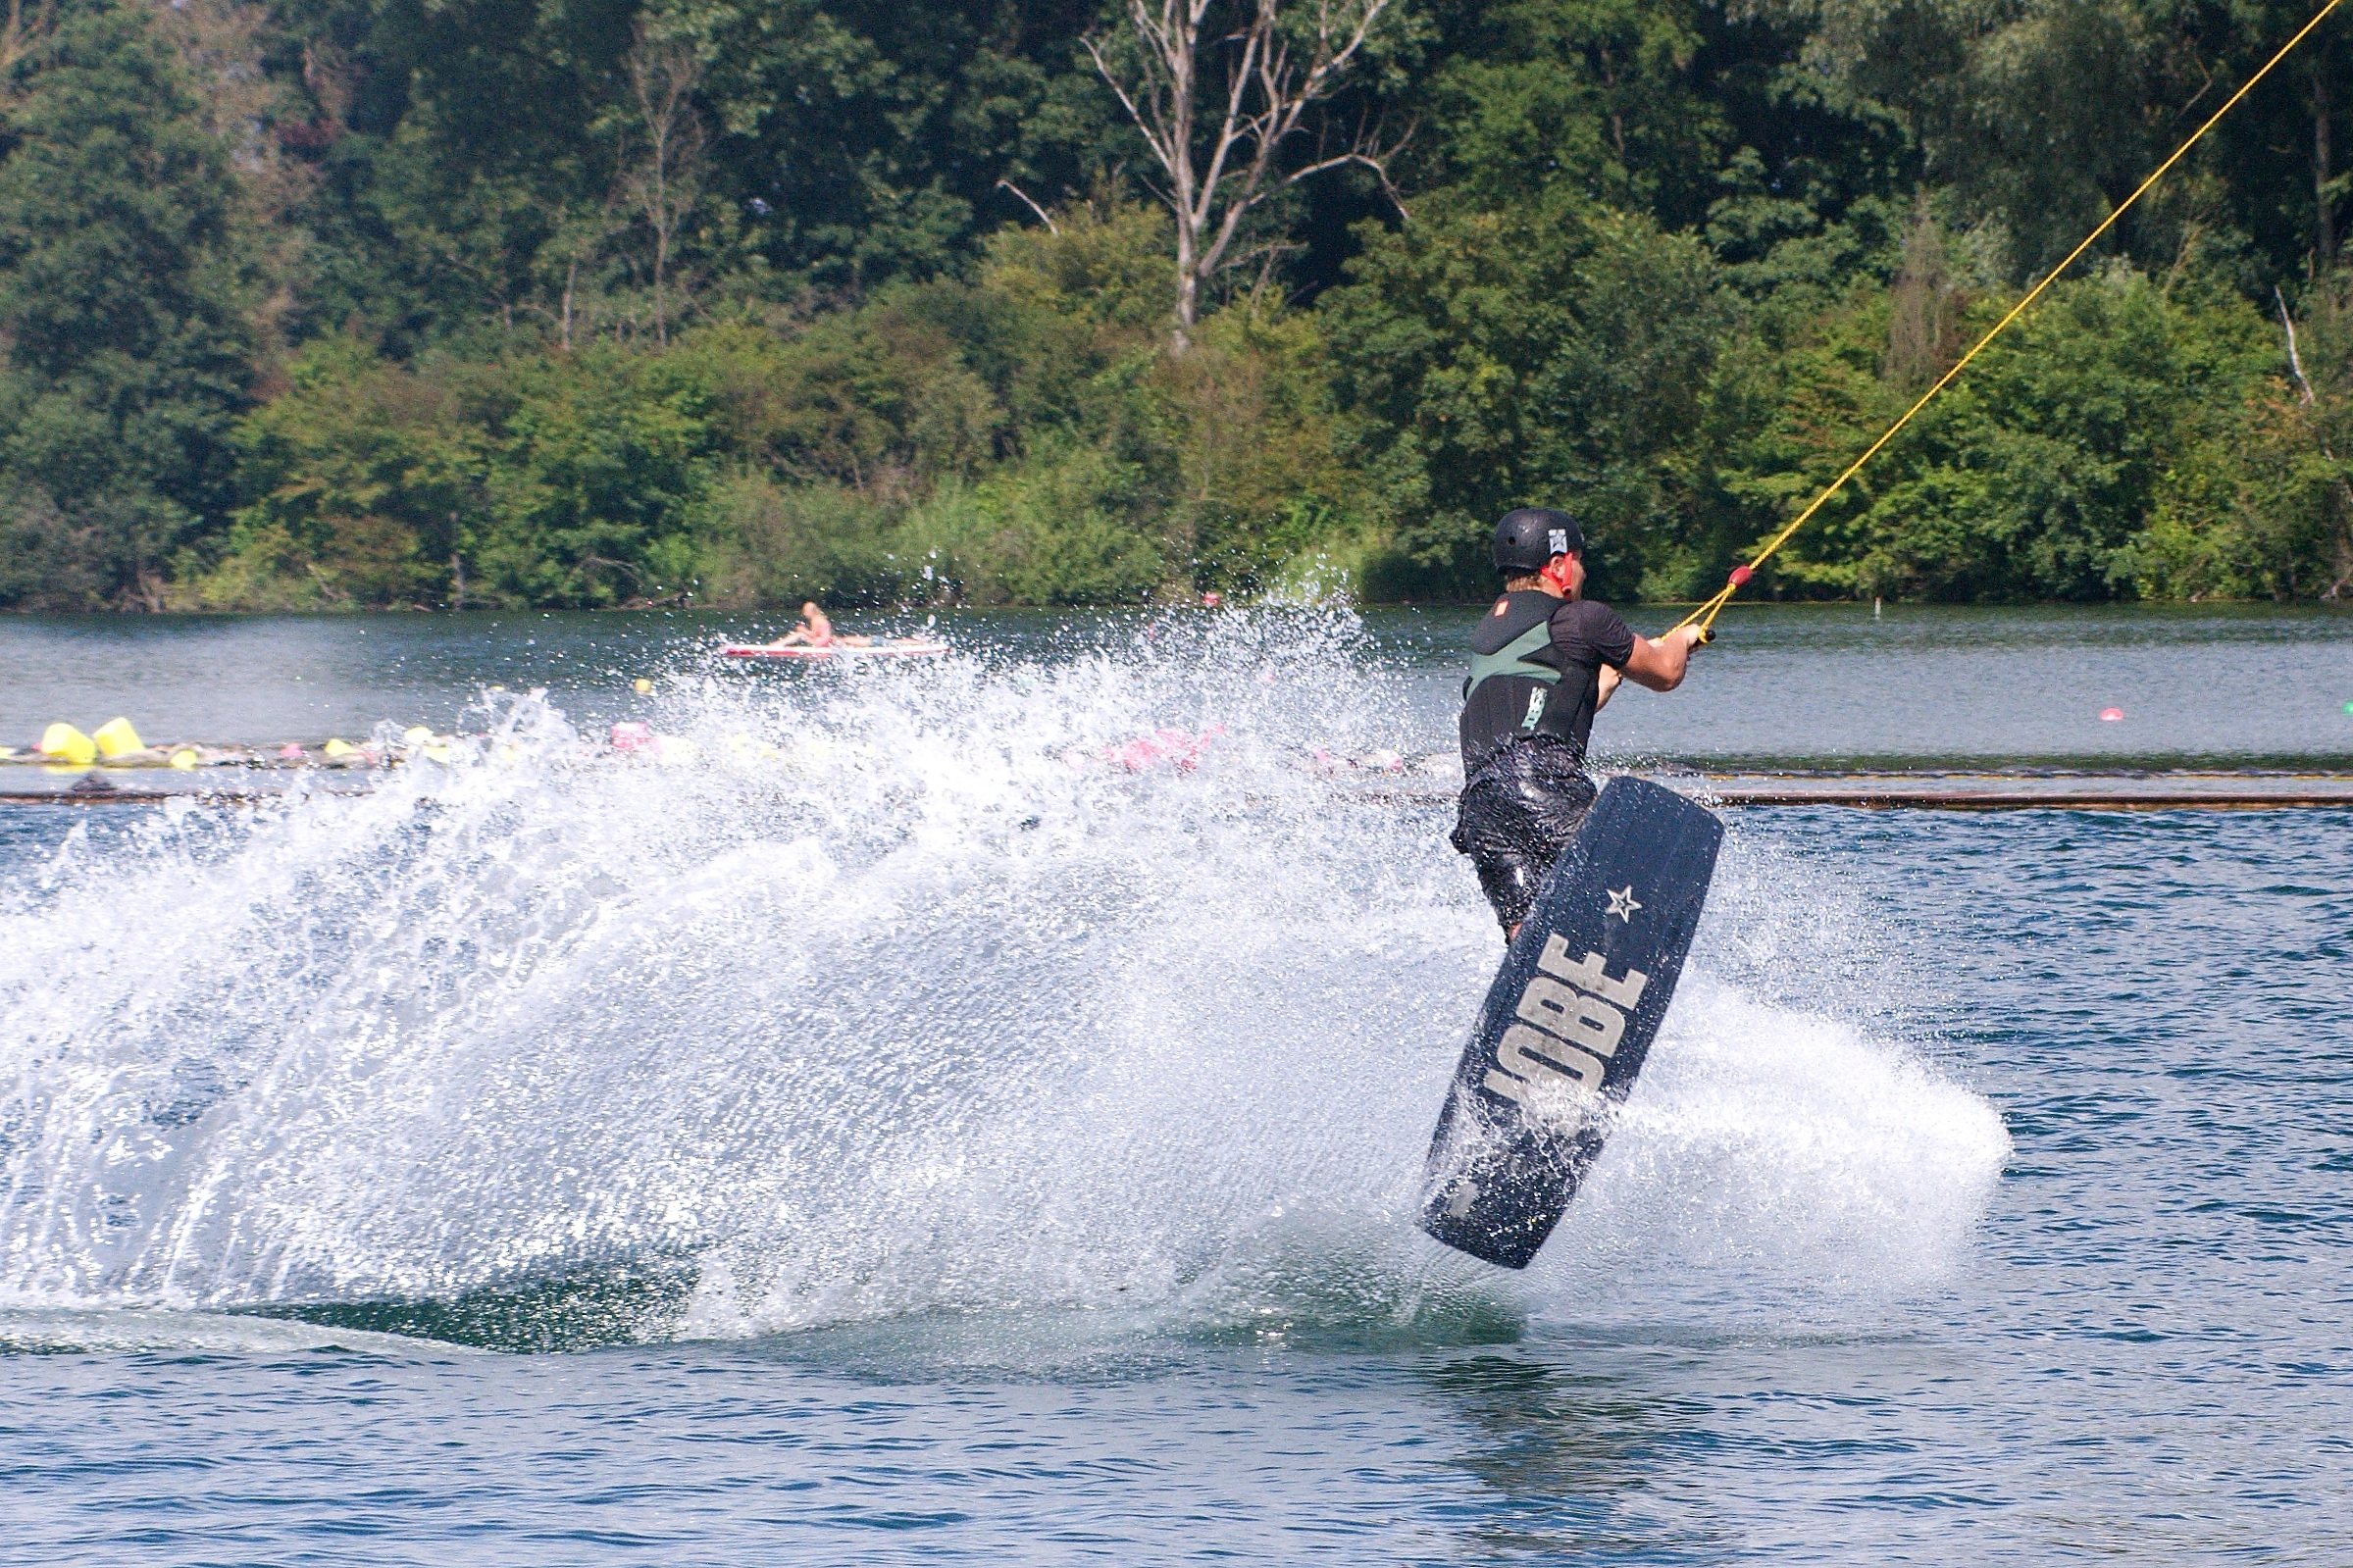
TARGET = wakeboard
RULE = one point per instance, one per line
(1568, 1021)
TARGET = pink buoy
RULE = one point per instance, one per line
(2110, 715)
(1176, 748)
(633, 737)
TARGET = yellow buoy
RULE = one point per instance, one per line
(64, 742)
(643, 685)
(438, 753)
(750, 749)
(416, 735)
(335, 747)
(116, 736)
(185, 757)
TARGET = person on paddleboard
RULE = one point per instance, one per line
(816, 632)
(1544, 661)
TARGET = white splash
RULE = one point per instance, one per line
(881, 992)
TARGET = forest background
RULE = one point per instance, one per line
(445, 303)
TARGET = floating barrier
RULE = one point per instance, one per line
(2087, 791)
(633, 738)
(1943, 792)
(2102, 792)
(62, 742)
(1384, 776)
(1178, 748)
(116, 744)
(1332, 765)
(196, 754)
(117, 738)
(1853, 791)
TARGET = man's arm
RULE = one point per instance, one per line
(1658, 662)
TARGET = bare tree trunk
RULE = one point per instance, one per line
(20, 35)
(1919, 320)
(1044, 217)
(2344, 489)
(1221, 149)
(664, 75)
(570, 277)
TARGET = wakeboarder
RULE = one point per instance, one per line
(1544, 661)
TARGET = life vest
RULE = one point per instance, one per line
(1516, 687)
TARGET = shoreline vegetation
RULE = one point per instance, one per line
(374, 304)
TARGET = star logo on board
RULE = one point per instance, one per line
(1622, 903)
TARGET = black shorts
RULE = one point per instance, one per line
(1518, 814)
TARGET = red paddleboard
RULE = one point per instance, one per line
(805, 652)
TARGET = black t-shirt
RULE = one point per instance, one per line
(1581, 636)
(1589, 635)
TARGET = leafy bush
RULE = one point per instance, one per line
(2031, 476)
(1056, 530)
(760, 543)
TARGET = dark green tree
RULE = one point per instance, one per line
(122, 307)
(1553, 353)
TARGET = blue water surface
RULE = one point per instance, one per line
(2124, 1338)
(2145, 1357)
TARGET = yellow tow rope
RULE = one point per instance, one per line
(1708, 611)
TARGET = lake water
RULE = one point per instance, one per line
(1818, 685)
(920, 1125)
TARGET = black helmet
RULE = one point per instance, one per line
(1527, 539)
